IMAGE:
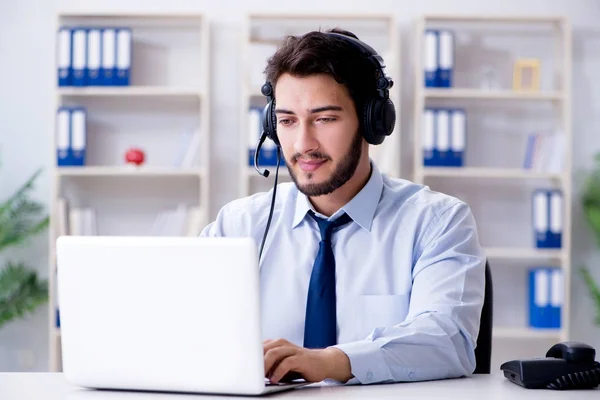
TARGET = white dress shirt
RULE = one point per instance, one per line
(410, 276)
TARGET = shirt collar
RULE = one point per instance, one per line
(361, 208)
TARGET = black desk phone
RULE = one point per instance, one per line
(567, 365)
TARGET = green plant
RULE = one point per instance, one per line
(21, 291)
(591, 210)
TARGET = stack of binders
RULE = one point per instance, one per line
(545, 297)
(71, 136)
(547, 210)
(94, 56)
(444, 137)
(438, 58)
(268, 152)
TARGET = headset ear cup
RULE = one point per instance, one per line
(388, 117)
(268, 123)
(273, 120)
(366, 124)
(371, 123)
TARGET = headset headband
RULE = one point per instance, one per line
(383, 82)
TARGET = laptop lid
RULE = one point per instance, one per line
(161, 313)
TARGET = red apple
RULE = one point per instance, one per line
(134, 156)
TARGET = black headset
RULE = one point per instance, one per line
(379, 113)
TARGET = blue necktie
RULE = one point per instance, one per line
(320, 324)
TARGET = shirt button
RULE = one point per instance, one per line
(411, 375)
(369, 376)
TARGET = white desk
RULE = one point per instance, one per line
(47, 386)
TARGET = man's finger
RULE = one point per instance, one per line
(276, 355)
(275, 343)
(283, 368)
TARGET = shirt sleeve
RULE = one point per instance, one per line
(438, 337)
(228, 223)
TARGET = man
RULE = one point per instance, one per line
(395, 292)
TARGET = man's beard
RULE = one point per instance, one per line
(344, 171)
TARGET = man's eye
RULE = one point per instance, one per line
(325, 119)
(284, 122)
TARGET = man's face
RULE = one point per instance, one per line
(318, 130)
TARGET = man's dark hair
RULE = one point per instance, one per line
(318, 53)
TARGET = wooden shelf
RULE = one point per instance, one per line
(161, 99)
(126, 171)
(477, 94)
(506, 19)
(128, 91)
(481, 172)
(526, 333)
(511, 253)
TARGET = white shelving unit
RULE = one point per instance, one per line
(164, 105)
(485, 186)
(261, 37)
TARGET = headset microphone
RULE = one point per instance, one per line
(265, 173)
(261, 140)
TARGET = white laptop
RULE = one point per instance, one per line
(175, 314)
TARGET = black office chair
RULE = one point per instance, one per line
(483, 351)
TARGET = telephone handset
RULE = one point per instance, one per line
(567, 365)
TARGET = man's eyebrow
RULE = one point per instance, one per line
(313, 111)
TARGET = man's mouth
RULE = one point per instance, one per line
(310, 165)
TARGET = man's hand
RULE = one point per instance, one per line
(284, 359)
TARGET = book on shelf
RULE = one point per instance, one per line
(189, 147)
(438, 58)
(546, 294)
(76, 221)
(547, 211)
(71, 136)
(444, 137)
(94, 56)
(545, 152)
(82, 222)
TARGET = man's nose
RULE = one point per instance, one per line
(305, 139)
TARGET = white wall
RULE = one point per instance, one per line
(27, 104)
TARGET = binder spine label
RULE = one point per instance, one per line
(458, 135)
(446, 59)
(62, 137)
(123, 56)
(430, 58)
(79, 56)
(428, 137)
(78, 137)
(556, 222)
(540, 218)
(443, 138)
(64, 57)
(94, 54)
(108, 56)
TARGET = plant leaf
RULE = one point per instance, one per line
(20, 292)
(21, 217)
